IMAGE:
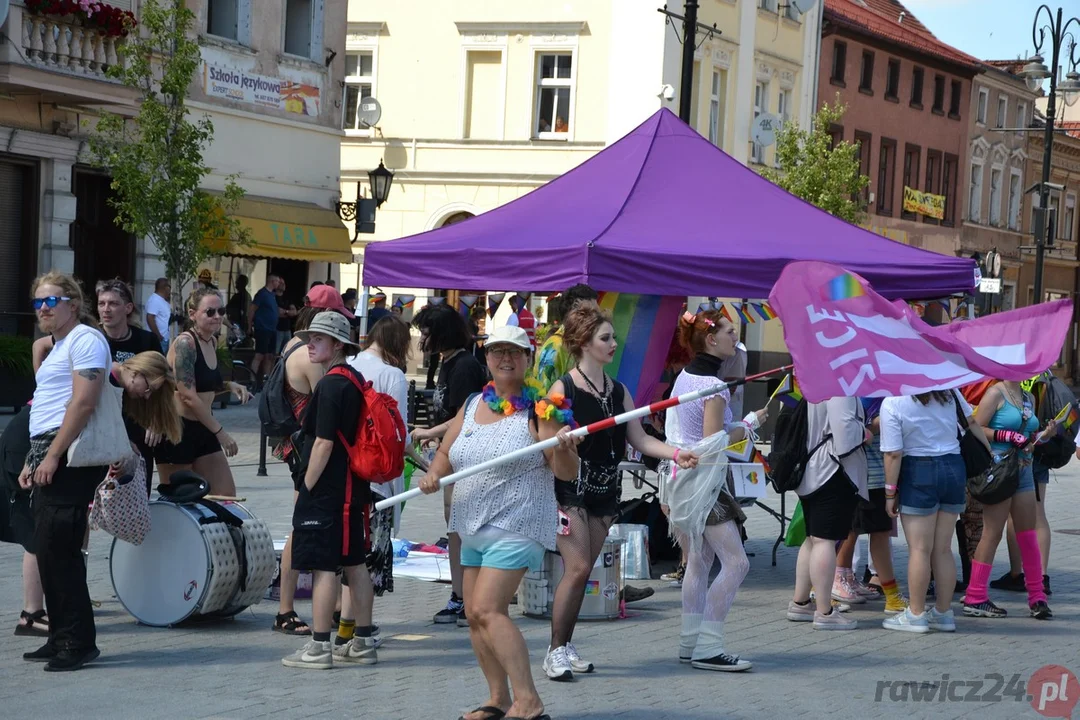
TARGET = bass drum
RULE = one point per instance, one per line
(189, 565)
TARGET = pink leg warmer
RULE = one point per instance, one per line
(1028, 540)
(980, 582)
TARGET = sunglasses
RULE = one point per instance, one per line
(51, 301)
(211, 312)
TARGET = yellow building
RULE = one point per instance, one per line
(484, 100)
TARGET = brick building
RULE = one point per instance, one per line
(908, 98)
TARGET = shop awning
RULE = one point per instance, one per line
(293, 231)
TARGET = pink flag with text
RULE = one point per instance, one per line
(846, 340)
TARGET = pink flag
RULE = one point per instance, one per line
(845, 339)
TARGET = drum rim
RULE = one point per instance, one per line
(206, 580)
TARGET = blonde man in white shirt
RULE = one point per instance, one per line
(834, 480)
(926, 485)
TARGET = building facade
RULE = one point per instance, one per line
(271, 83)
(1000, 120)
(482, 102)
(908, 97)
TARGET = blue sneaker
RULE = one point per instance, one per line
(907, 621)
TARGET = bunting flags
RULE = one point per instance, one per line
(743, 310)
(404, 301)
(764, 311)
(436, 301)
(744, 316)
(494, 301)
(466, 303)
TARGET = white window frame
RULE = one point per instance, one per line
(1021, 117)
(975, 199)
(315, 41)
(499, 46)
(770, 5)
(783, 111)
(761, 105)
(1069, 227)
(1016, 179)
(1002, 116)
(360, 80)
(994, 217)
(983, 106)
(539, 84)
(716, 106)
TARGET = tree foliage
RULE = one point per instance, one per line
(810, 168)
(156, 159)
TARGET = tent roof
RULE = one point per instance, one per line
(662, 211)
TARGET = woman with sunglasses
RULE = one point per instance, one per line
(193, 356)
(1006, 415)
(589, 498)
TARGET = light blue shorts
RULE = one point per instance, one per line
(492, 547)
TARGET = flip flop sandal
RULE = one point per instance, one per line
(290, 623)
(493, 713)
(33, 624)
(545, 716)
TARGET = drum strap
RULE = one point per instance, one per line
(236, 532)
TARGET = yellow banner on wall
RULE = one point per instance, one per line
(924, 203)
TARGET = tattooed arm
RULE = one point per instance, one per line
(194, 407)
(86, 389)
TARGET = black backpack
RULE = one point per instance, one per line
(789, 454)
(1053, 396)
(275, 410)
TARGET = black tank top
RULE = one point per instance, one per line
(207, 379)
(601, 452)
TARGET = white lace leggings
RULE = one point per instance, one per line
(698, 597)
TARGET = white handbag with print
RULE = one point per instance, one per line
(104, 440)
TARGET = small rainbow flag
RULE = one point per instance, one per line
(765, 311)
(494, 301)
(741, 451)
(644, 326)
(1074, 415)
(842, 287)
(760, 458)
(785, 386)
(724, 312)
(744, 316)
(792, 395)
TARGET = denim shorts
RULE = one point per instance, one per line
(1040, 474)
(1027, 478)
(493, 547)
(932, 484)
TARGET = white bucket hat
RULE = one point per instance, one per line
(332, 324)
(509, 335)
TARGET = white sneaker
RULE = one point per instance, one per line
(356, 651)
(313, 656)
(907, 621)
(576, 663)
(942, 621)
(557, 665)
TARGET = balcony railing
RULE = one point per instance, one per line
(63, 44)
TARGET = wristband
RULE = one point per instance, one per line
(890, 488)
(751, 421)
(674, 465)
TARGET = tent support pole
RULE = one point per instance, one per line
(689, 45)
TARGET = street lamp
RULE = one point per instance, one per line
(363, 210)
(1034, 73)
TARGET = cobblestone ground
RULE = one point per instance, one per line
(232, 669)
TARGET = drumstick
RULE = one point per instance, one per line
(225, 498)
(580, 432)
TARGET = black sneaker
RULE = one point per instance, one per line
(43, 654)
(633, 594)
(1010, 582)
(70, 660)
(461, 620)
(1046, 586)
(450, 613)
(867, 576)
(722, 663)
(984, 609)
(931, 591)
(1041, 611)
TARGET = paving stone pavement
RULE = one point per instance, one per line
(232, 669)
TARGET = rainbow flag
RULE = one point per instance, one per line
(760, 458)
(466, 303)
(494, 301)
(644, 326)
(842, 287)
(1074, 415)
(764, 311)
(791, 396)
(404, 301)
(744, 315)
(724, 312)
(741, 451)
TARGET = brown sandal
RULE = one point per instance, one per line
(36, 624)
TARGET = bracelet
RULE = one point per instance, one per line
(674, 464)
(891, 488)
(219, 431)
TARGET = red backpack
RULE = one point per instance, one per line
(378, 453)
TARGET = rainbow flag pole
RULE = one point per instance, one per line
(604, 424)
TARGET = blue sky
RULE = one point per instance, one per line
(987, 29)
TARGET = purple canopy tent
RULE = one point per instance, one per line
(662, 211)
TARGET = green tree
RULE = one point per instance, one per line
(156, 159)
(812, 169)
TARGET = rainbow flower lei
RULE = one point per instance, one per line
(554, 407)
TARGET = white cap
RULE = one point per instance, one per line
(508, 335)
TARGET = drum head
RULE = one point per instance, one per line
(162, 581)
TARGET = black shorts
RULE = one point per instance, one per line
(266, 342)
(830, 510)
(196, 442)
(319, 540)
(871, 516)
